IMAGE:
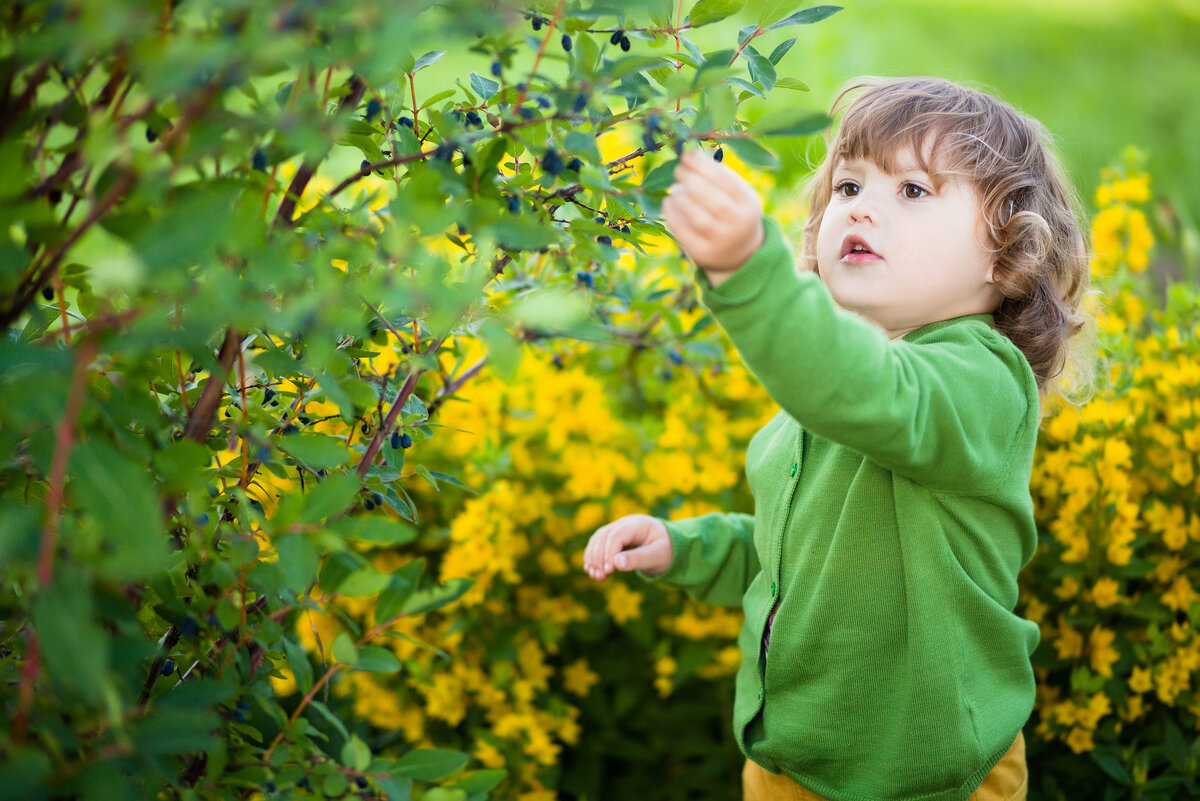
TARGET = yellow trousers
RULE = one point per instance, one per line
(1008, 781)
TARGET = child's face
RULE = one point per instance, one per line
(927, 259)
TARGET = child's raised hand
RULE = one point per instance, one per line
(714, 215)
(653, 555)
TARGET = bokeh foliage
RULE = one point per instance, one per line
(236, 238)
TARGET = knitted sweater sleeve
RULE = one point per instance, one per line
(943, 411)
(714, 560)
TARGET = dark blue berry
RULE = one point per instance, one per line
(54, 196)
(586, 277)
(366, 428)
(365, 167)
(648, 141)
(243, 705)
(566, 42)
(526, 112)
(537, 23)
(259, 161)
(48, 293)
(375, 496)
(497, 68)
(239, 716)
(304, 784)
(625, 43)
(667, 374)
(558, 362)
(600, 219)
(551, 162)
(653, 121)
(444, 152)
(373, 108)
(404, 121)
(188, 628)
(581, 101)
(168, 667)
(719, 155)
(675, 356)
(624, 229)
(151, 134)
(202, 519)
(523, 86)
(304, 419)
(395, 440)
(678, 147)
(290, 429)
(575, 165)
(543, 101)
(514, 204)
(369, 504)
(269, 395)
(616, 37)
(269, 787)
(360, 781)
(474, 119)
(405, 441)
(604, 240)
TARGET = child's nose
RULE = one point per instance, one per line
(862, 208)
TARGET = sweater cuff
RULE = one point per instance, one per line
(752, 277)
(677, 551)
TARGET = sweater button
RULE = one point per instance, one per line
(794, 468)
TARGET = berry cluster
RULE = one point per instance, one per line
(619, 38)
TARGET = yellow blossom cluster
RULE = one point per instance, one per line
(1120, 232)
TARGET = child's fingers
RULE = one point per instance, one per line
(685, 207)
(720, 176)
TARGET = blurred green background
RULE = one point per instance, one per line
(1100, 74)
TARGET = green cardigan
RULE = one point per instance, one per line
(892, 516)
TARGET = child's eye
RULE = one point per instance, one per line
(846, 188)
(914, 192)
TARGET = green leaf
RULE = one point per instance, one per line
(781, 50)
(1112, 767)
(523, 233)
(174, 731)
(449, 479)
(437, 597)
(807, 16)
(297, 659)
(762, 71)
(660, 178)
(752, 153)
(708, 11)
(23, 774)
(366, 581)
(742, 83)
(485, 87)
(356, 754)
(344, 650)
(75, 649)
(124, 510)
(428, 764)
(298, 561)
(792, 83)
(375, 530)
(790, 123)
(377, 660)
(481, 781)
(428, 59)
(403, 582)
(315, 451)
(331, 495)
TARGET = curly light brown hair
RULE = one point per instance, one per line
(1029, 208)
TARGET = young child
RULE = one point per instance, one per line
(943, 266)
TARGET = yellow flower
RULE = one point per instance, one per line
(487, 754)
(578, 678)
(541, 747)
(1097, 707)
(1035, 610)
(665, 666)
(1069, 642)
(1131, 190)
(1140, 680)
(1106, 592)
(623, 603)
(1102, 654)
(1134, 708)
(1067, 589)
(1080, 740)
(1181, 594)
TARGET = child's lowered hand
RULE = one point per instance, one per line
(653, 555)
(714, 215)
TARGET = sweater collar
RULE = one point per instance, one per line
(917, 333)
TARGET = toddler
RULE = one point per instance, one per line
(942, 270)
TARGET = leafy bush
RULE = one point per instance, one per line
(245, 251)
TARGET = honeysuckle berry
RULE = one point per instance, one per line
(405, 121)
(365, 428)
(444, 152)
(586, 277)
(395, 441)
(566, 42)
(289, 429)
(405, 441)
(604, 239)
(514, 205)
(375, 496)
(526, 112)
(474, 119)
(648, 141)
(48, 293)
(243, 705)
(151, 134)
(599, 218)
(188, 628)
(537, 23)
(719, 155)
(552, 162)
(269, 395)
(678, 147)
(365, 167)
(543, 101)
(616, 37)
(653, 121)
(625, 43)
(624, 229)
(168, 667)
(373, 108)
(575, 164)
(497, 68)
(523, 86)
(54, 196)
(675, 356)
(581, 101)
(558, 362)
(369, 504)
(360, 781)
(304, 419)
